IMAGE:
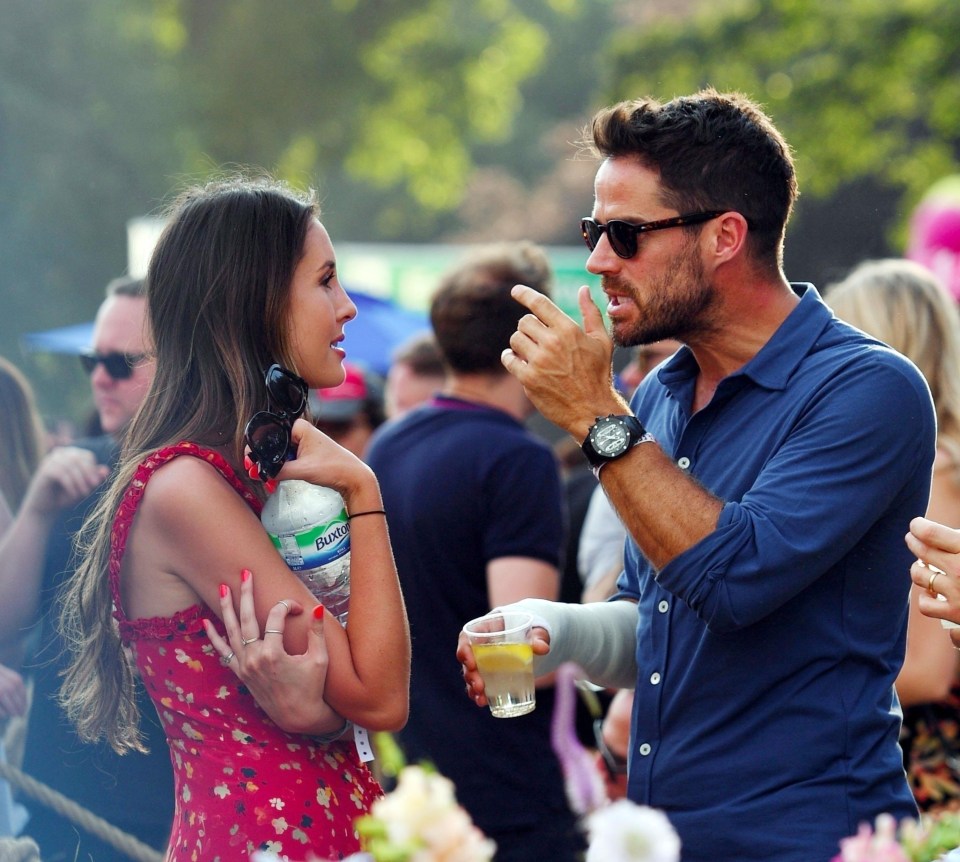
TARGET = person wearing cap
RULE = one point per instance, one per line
(351, 412)
(134, 793)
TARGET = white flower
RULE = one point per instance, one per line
(626, 832)
(421, 818)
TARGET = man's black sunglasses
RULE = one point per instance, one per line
(118, 365)
(268, 434)
(622, 235)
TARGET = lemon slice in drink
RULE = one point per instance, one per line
(502, 658)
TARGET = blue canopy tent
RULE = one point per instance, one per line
(379, 328)
(63, 339)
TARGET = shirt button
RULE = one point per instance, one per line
(664, 606)
(683, 463)
(644, 749)
(654, 678)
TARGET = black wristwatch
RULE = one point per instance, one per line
(612, 436)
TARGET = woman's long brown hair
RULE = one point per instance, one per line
(217, 297)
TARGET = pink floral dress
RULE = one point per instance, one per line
(242, 784)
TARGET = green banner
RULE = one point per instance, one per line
(409, 274)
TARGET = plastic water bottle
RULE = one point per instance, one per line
(309, 527)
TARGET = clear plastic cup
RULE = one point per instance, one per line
(501, 647)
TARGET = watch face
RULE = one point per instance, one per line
(610, 438)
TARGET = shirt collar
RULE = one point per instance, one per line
(777, 360)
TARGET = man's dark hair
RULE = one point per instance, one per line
(472, 312)
(126, 285)
(713, 151)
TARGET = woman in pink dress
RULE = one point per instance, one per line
(244, 276)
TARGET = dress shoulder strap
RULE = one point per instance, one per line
(123, 519)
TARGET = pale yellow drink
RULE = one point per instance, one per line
(507, 671)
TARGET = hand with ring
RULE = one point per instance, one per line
(289, 688)
(937, 571)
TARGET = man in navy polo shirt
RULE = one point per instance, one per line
(766, 476)
(476, 521)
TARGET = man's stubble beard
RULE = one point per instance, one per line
(677, 306)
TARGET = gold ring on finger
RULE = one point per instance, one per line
(246, 641)
(934, 574)
(272, 632)
(226, 659)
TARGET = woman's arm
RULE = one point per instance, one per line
(369, 676)
(930, 664)
(289, 688)
(194, 533)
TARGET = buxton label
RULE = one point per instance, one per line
(317, 546)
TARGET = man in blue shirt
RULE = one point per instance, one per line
(766, 475)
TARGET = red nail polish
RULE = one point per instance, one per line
(247, 463)
(318, 612)
(223, 591)
(245, 575)
(270, 485)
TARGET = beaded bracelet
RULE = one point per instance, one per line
(370, 512)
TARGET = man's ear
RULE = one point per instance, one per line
(727, 237)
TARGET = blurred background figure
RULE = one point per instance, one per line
(645, 358)
(23, 438)
(476, 520)
(134, 793)
(23, 446)
(904, 305)
(352, 411)
(416, 374)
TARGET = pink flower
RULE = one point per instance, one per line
(870, 846)
(581, 777)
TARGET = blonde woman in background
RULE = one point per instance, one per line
(904, 305)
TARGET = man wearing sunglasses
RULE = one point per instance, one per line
(766, 475)
(134, 792)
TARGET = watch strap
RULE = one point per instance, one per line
(646, 437)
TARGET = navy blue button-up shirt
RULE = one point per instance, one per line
(765, 718)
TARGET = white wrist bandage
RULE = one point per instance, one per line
(601, 637)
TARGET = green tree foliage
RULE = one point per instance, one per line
(108, 106)
(865, 90)
(382, 104)
(85, 126)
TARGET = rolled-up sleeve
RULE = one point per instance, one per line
(845, 457)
